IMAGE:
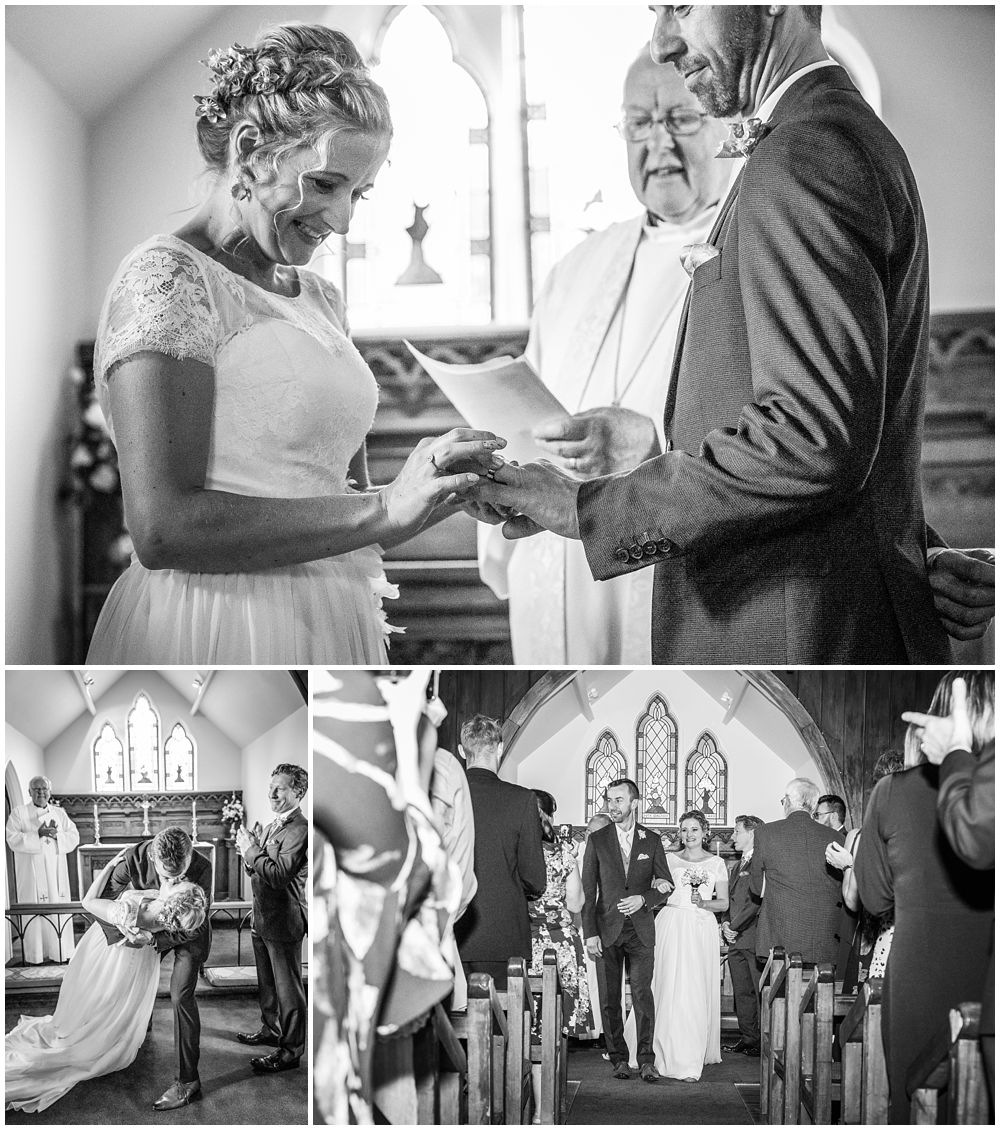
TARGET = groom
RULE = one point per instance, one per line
(165, 860)
(619, 866)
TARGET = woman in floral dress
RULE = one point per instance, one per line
(552, 925)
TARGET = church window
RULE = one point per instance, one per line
(706, 781)
(108, 761)
(605, 763)
(179, 760)
(656, 764)
(143, 725)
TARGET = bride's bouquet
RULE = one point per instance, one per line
(694, 877)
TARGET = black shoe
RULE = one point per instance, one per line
(648, 1073)
(178, 1094)
(276, 1061)
(736, 1046)
(261, 1036)
(621, 1070)
(752, 1050)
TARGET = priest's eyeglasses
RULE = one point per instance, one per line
(678, 123)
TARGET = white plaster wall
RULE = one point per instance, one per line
(68, 757)
(47, 312)
(288, 741)
(758, 769)
(26, 757)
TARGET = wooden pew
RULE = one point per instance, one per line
(819, 1076)
(784, 995)
(483, 1029)
(772, 967)
(865, 1082)
(440, 1072)
(517, 1072)
(551, 1055)
(947, 1081)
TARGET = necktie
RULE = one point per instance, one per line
(625, 854)
(743, 138)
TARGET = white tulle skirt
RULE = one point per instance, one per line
(104, 1006)
(326, 612)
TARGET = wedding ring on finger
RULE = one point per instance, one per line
(437, 469)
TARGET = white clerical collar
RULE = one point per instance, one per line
(766, 108)
(658, 230)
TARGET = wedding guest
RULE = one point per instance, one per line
(831, 810)
(509, 861)
(602, 335)
(595, 969)
(943, 907)
(784, 517)
(740, 932)
(619, 867)
(967, 815)
(278, 865)
(238, 405)
(41, 836)
(552, 925)
(801, 901)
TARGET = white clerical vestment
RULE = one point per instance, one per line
(41, 875)
(603, 331)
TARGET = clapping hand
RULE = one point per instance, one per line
(48, 830)
(244, 839)
(600, 441)
(940, 735)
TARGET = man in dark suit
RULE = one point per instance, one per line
(508, 859)
(784, 518)
(619, 866)
(831, 811)
(276, 859)
(799, 889)
(740, 931)
(166, 859)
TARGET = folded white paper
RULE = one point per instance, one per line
(503, 395)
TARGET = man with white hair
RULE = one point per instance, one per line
(800, 891)
(41, 835)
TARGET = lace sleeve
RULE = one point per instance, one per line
(161, 301)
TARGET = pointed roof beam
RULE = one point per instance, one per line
(84, 682)
(201, 681)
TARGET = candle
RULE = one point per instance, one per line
(97, 825)
(194, 820)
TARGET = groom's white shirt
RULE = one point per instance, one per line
(625, 839)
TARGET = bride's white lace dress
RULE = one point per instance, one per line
(100, 1021)
(686, 976)
(293, 402)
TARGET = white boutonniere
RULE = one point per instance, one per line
(642, 834)
(642, 856)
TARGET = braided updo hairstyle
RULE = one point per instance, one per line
(184, 909)
(297, 85)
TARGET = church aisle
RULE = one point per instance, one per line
(602, 1099)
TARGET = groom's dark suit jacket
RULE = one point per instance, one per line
(605, 882)
(136, 870)
(785, 519)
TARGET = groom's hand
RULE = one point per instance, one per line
(594, 948)
(543, 497)
(632, 905)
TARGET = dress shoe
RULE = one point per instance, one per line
(735, 1045)
(177, 1094)
(261, 1036)
(621, 1070)
(648, 1073)
(276, 1061)
(752, 1050)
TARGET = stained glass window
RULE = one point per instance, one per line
(706, 780)
(179, 761)
(109, 761)
(656, 764)
(143, 726)
(605, 763)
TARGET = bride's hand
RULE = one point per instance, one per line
(662, 886)
(436, 470)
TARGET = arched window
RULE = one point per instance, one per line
(656, 764)
(179, 761)
(605, 763)
(108, 755)
(706, 780)
(143, 726)
(419, 249)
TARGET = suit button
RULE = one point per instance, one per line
(621, 553)
(649, 548)
(635, 552)
(665, 546)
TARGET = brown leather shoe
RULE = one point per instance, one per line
(177, 1094)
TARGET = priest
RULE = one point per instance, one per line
(41, 835)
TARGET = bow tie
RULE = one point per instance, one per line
(743, 138)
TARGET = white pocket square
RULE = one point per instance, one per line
(695, 254)
(642, 856)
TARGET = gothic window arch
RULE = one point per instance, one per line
(108, 756)
(605, 763)
(706, 781)
(656, 763)
(143, 730)
(179, 760)
(419, 252)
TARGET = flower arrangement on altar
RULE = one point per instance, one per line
(232, 813)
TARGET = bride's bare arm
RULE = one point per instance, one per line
(162, 409)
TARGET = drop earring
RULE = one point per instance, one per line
(240, 189)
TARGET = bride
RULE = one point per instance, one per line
(686, 988)
(238, 404)
(106, 997)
